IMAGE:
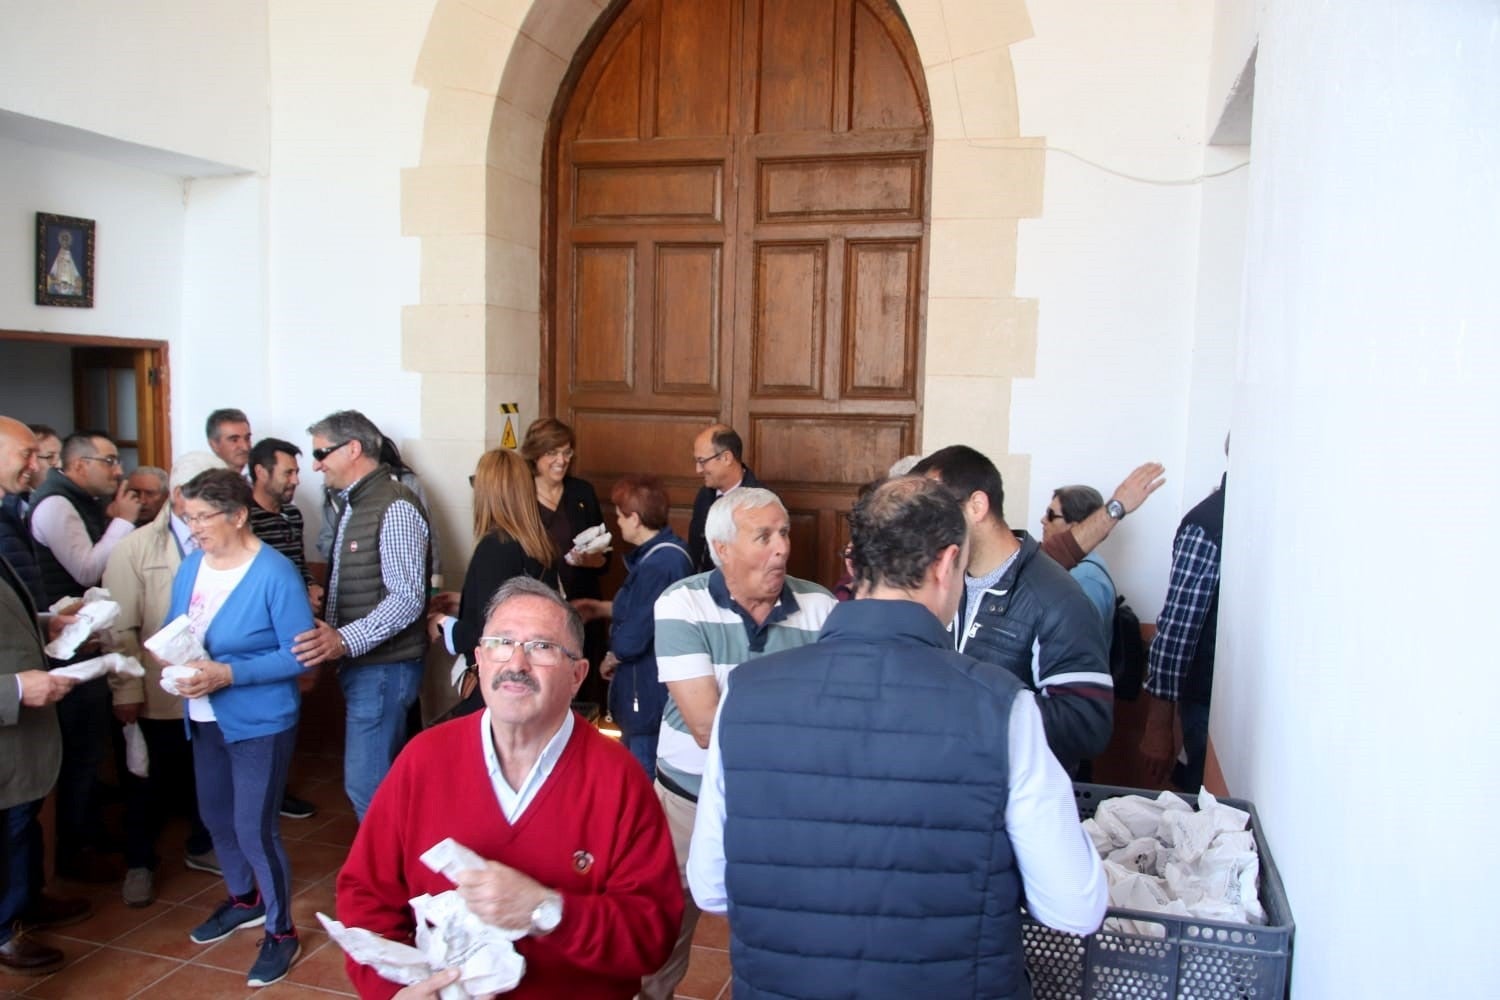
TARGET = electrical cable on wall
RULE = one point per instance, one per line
(1156, 181)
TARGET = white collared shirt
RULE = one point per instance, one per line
(513, 801)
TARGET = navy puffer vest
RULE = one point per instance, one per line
(865, 782)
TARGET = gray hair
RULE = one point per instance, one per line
(720, 526)
(902, 466)
(189, 464)
(160, 475)
(1077, 502)
(350, 425)
(525, 586)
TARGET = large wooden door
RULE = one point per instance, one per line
(738, 232)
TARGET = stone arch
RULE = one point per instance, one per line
(492, 69)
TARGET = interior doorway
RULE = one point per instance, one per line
(72, 383)
(738, 230)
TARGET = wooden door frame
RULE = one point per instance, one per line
(158, 356)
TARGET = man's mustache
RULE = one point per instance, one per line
(515, 677)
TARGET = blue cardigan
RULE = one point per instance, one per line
(253, 633)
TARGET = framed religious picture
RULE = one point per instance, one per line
(64, 261)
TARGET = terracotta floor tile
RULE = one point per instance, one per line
(295, 991)
(238, 951)
(106, 972)
(712, 932)
(314, 861)
(307, 902)
(338, 830)
(175, 882)
(166, 934)
(708, 970)
(111, 919)
(323, 968)
(197, 982)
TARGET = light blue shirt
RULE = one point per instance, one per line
(513, 801)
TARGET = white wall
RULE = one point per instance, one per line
(184, 77)
(346, 120)
(1354, 699)
(1113, 263)
(138, 219)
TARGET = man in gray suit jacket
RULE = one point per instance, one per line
(30, 745)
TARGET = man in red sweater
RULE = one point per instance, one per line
(577, 847)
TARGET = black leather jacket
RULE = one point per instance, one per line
(1037, 623)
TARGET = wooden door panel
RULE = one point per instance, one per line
(603, 317)
(833, 451)
(694, 36)
(884, 94)
(809, 190)
(689, 290)
(795, 90)
(790, 292)
(739, 210)
(880, 334)
(676, 192)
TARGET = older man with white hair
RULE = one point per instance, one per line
(139, 576)
(707, 625)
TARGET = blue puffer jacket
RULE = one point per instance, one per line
(865, 785)
(636, 697)
(18, 548)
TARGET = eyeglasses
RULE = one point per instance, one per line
(319, 454)
(193, 520)
(539, 652)
(701, 462)
(563, 453)
(1052, 515)
(109, 460)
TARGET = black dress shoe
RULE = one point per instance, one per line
(50, 911)
(295, 808)
(25, 957)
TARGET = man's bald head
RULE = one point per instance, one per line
(18, 465)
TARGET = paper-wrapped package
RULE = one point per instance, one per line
(174, 643)
(590, 541)
(96, 614)
(109, 663)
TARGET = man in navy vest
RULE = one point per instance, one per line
(877, 805)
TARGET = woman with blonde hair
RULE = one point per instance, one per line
(511, 542)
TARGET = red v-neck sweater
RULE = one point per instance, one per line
(595, 833)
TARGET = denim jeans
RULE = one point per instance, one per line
(240, 786)
(376, 699)
(643, 746)
(20, 862)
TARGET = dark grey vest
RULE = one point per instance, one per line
(360, 586)
(58, 582)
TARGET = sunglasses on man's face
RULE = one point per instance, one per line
(319, 454)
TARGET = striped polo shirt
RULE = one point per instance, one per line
(702, 632)
(282, 531)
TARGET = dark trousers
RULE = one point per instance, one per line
(239, 794)
(20, 862)
(169, 788)
(1189, 777)
(85, 719)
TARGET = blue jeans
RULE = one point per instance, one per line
(643, 746)
(377, 697)
(1189, 776)
(20, 862)
(240, 786)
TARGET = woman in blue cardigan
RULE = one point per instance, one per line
(245, 603)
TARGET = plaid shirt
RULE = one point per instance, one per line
(1195, 576)
(403, 554)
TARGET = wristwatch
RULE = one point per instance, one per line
(1115, 509)
(546, 916)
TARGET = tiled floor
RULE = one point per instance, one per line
(121, 953)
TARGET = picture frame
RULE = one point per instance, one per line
(64, 261)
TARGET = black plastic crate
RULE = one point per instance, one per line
(1195, 960)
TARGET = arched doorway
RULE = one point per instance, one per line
(737, 222)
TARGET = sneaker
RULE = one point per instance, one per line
(277, 953)
(295, 808)
(208, 861)
(228, 918)
(139, 888)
